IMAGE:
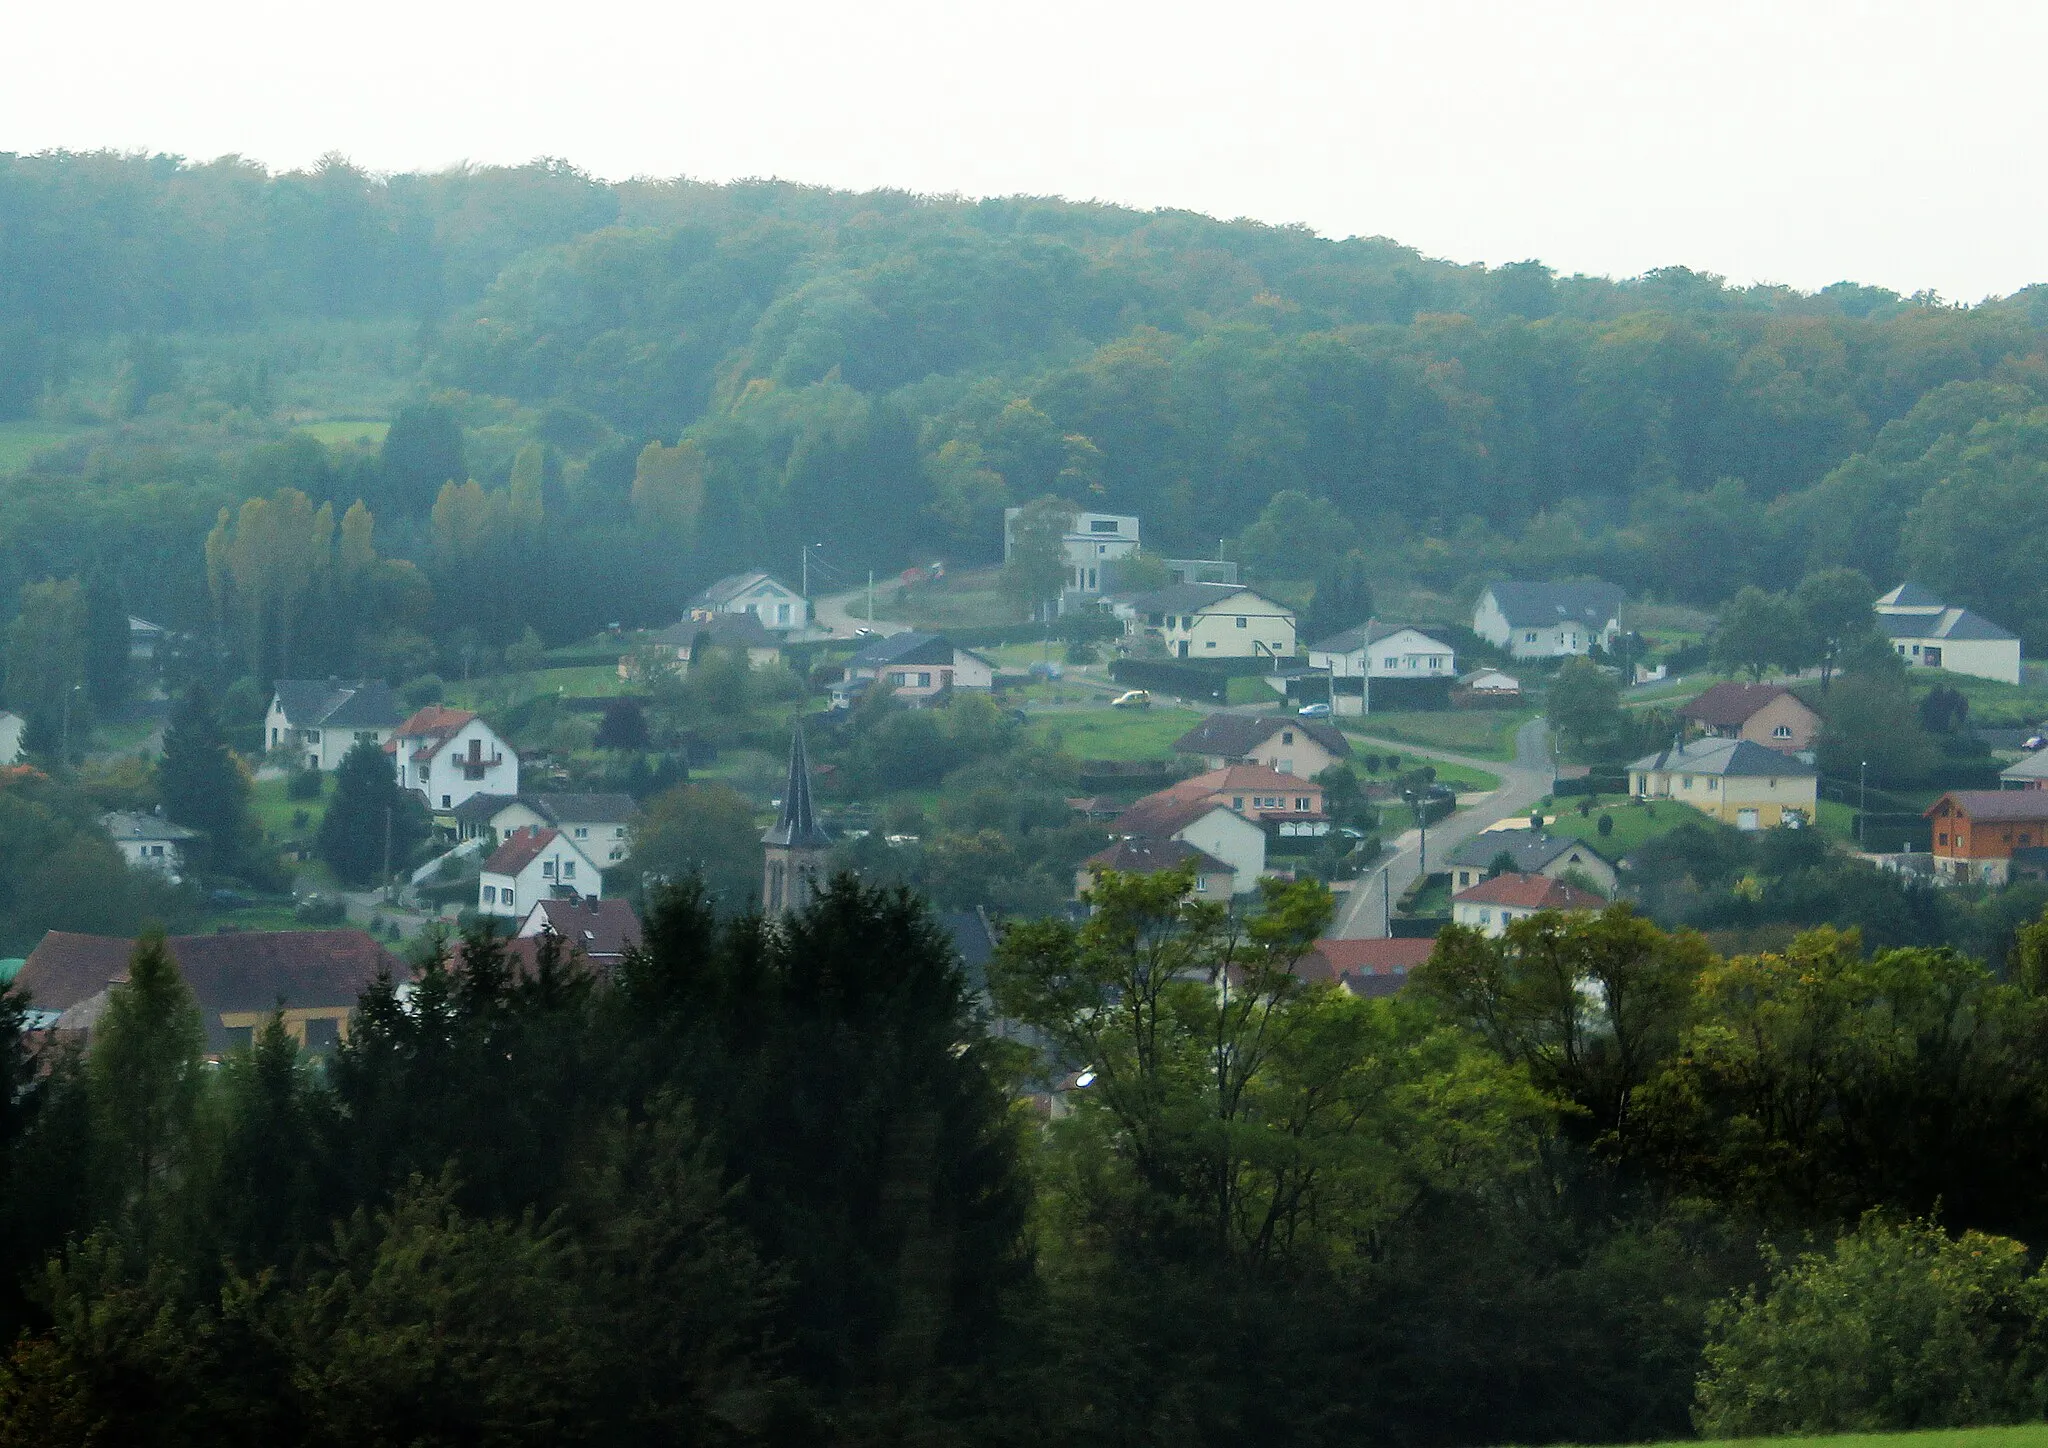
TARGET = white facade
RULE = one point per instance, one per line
(1548, 621)
(779, 607)
(1402, 653)
(11, 727)
(557, 866)
(315, 746)
(1092, 542)
(449, 768)
(1231, 838)
(1235, 624)
(1928, 634)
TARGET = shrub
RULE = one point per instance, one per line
(305, 784)
(1606, 825)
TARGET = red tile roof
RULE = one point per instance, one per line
(1729, 705)
(1164, 814)
(1995, 804)
(520, 849)
(237, 970)
(1530, 892)
(1149, 856)
(433, 723)
(1370, 957)
(1244, 777)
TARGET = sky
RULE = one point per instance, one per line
(1799, 142)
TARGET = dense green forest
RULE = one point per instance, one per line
(883, 372)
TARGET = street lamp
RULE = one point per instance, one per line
(1862, 803)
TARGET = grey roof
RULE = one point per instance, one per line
(904, 648)
(339, 704)
(1193, 597)
(1371, 632)
(131, 825)
(1910, 595)
(1235, 736)
(1544, 605)
(1958, 625)
(581, 809)
(974, 941)
(727, 631)
(1532, 851)
(1727, 757)
(796, 827)
(734, 584)
(478, 808)
(2034, 766)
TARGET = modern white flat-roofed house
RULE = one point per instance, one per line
(1548, 620)
(1215, 621)
(1928, 634)
(447, 755)
(317, 721)
(531, 866)
(1092, 542)
(779, 607)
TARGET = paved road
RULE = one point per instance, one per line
(843, 614)
(1522, 783)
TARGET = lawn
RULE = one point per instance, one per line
(584, 681)
(275, 810)
(1634, 821)
(21, 441)
(1116, 733)
(1483, 733)
(1991, 703)
(2027, 1435)
(960, 600)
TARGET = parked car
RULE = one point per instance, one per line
(1131, 699)
(1314, 711)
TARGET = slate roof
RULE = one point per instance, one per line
(1162, 815)
(1909, 595)
(727, 631)
(1545, 605)
(796, 826)
(1957, 625)
(903, 648)
(1730, 758)
(603, 930)
(338, 704)
(1360, 635)
(974, 941)
(581, 809)
(1531, 851)
(1148, 856)
(1995, 804)
(2034, 766)
(1530, 892)
(726, 589)
(1235, 736)
(1729, 705)
(132, 825)
(479, 809)
(1194, 597)
(519, 850)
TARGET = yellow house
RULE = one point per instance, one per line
(1738, 782)
(1215, 621)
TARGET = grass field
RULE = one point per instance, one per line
(587, 681)
(1991, 702)
(1482, 733)
(2027, 1435)
(346, 431)
(960, 600)
(21, 441)
(275, 810)
(1634, 821)
(1116, 733)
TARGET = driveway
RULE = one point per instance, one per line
(1363, 915)
(844, 614)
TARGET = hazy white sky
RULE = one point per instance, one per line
(1801, 141)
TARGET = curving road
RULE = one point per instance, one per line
(1528, 779)
(844, 614)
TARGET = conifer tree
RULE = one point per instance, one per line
(201, 783)
(143, 1079)
(366, 797)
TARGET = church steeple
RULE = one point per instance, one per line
(795, 845)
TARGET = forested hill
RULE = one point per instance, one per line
(884, 372)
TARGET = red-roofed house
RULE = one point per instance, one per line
(534, 865)
(1767, 714)
(1976, 831)
(1214, 880)
(1365, 967)
(1214, 829)
(1492, 905)
(1258, 793)
(450, 754)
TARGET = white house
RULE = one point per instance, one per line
(1375, 650)
(1928, 634)
(1492, 905)
(12, 726)
(1215, 829)
(317, 721)
(1548, 620)
(916, 666)
(767, 598)
(600, 824)
(1092, 541)
(1215, 621)
(148, 842)
(447, 755)
(533, 865)
(1302, 747)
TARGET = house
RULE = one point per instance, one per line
(1200, 570)
(1214, 829)
(447, 755)
(1213, 879)
(1492, 905)
(916, 666)
(1486, 688)
(318, 721)
(1384, 651)
(1092, 541)
(240, 978)
(12, 727)
(145, 639)
(1767, 714)
(1976, 831)
(733, 632)
(1530, 852)
(1928, 634)
(1214, 621)
(600, 824)
(2029, 773)
(1369, 968)
(1304, 747)
(1733, 780)
(1548, 620)
(767, 598)
(148, 841)
(601, 931)
(533, 865)
(1291, 803)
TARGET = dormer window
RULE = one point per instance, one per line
(1783, 731)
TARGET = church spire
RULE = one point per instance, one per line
(795, 845)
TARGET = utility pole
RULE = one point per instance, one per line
(1387, 899)
(387, 854)
(1862, 802)
(805, 568)
(871, 600)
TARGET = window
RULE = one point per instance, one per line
(505, 898)
(1201, 884)
(1529, 637)
(568, 869)
(547, 869)
(1286, 736)
(1237, 801)
(618, 832)
(1241, 623)
(924, 679)
(1783, 731)
(1941, 839)
(1301, 802)
(582, 832)
(1686, 782)
(240, 1038)
(323, 1033)
(1713, 784)
(313, 735)
(899, 678)
(1931, 656)
(1209, 644)
(444, 801)
(490, 894)
(1104, 525)
(1101, 550)
(782, 613)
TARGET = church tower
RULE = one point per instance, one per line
(796, 844)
